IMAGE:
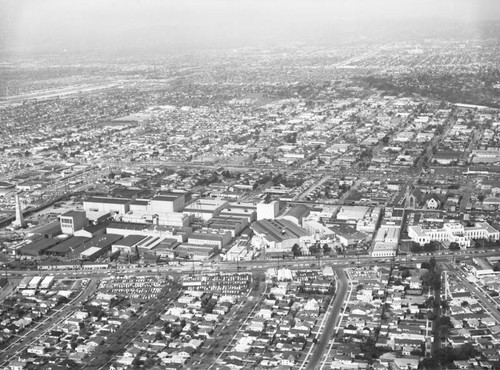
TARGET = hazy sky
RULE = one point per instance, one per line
(122, 24)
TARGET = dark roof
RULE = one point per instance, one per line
(433, 196)
(68, 245)
(278, 230)
(72, 213)
(108, 200)
(140, 202)
(206, 236)
(131, 240)
(173, 193)
(166, 198)
(102, 241)
(225, 222)
(53, 227)
(417, 193)
(127, 226)
(6, 185)
(35, 248)
(167, 243)
(347, 231)
(447, 154)
(299, 211)
(94, 228)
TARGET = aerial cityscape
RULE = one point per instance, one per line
(261, 185)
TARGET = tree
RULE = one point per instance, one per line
(296, 250)
(429, 364)
(496, 267)
(440, 130)
(432, 263)
(430, 247)
(416, 248)
(444, 305)
(326, 249)
(429, 303)
(454, 246)
(313, 249)
(432, 279)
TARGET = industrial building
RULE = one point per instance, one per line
(246, 210)
(180, 234)
(195, 251)
(62, 249)
(348, 235)
(278, 235)
(205, 208)
(72, 221)
(97, 206)
(127, 244)
(37, 248)
(235, 225)
(297, 214)
(268, 210)
(164, 209)
(95, 247)
(210, 237)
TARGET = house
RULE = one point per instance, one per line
(407, 362)
(461, 364)
(433, 203)
(17, 365)
(288, 359)
(37, 350)
(415, 282)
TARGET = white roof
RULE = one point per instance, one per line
(90, 251)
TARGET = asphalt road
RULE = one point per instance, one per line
(249, 266)
(340, 296)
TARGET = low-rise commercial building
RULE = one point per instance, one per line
(278, 235)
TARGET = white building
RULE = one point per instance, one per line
(268, 210)
(205, 208)
(453, 232)
(102, 205)
(386, 241)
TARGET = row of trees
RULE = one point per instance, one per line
(314, 250)
(446, 355)
(428, 247)
(431, 278)
(434, 245)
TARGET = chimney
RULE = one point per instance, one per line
(19, 222)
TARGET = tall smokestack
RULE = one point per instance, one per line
(19, 222)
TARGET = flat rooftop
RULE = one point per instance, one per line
(108, 200)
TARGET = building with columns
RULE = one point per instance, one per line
(453, 232)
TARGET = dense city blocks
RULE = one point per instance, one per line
(252, 186)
